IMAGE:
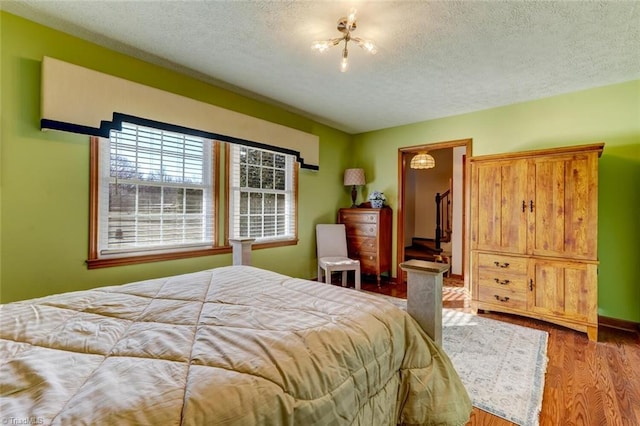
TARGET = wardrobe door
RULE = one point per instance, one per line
(564, 206)
(499, 206)
(566, 292)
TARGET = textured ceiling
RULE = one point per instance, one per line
(435, 59)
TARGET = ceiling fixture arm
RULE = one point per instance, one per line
(324, 45)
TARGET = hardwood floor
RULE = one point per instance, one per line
(586, 383)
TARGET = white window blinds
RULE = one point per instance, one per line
(156, 191)
(262, 194)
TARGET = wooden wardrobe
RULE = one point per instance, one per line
(534, 235)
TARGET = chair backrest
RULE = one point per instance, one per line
(331, 240)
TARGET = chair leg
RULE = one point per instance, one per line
(327, 276)
(357, 272)
(344, 278)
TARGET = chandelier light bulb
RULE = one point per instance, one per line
(368, 46)
(344, 65)
(351, 19)
(321, 45)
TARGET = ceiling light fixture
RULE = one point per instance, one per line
(346, 25)
(423, 161)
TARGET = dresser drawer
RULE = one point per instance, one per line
(360, 217)
(362, 244)
(368, 263)
(503, 296)
(502, 281)
(503, 265)
(361, 229)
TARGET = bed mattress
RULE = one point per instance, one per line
(233, 345)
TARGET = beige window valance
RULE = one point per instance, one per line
(81, 100)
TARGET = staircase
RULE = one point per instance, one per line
(427, 248)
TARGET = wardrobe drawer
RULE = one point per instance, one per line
(514, 299)
(504, 265)
(511, 282)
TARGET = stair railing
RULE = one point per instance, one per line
(443, 216)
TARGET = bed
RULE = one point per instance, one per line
(234, 345)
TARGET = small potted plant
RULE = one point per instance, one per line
(377, 199)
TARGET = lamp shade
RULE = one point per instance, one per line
(423, 161)
(354, 177)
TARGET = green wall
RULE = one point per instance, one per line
(608, 114)
(45, 175)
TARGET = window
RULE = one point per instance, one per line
(262, 195)
(155, 193)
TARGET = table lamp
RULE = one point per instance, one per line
(353, 178)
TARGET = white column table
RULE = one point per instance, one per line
(241, 250)
(424, 295)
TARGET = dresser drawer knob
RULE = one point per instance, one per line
(503, 282)
(501, 299)
(501, 265)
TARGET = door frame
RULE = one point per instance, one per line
(402, 166)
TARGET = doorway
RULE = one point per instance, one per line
(421, 225)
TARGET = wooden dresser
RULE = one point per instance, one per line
(369, 238)
(534, 235)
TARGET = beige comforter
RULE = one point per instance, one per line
(233, 346)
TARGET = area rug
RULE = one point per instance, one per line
(502, 365)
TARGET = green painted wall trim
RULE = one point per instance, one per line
(609, 114)
(45, 175)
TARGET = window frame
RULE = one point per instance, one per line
(228, 220)
(95, 261)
